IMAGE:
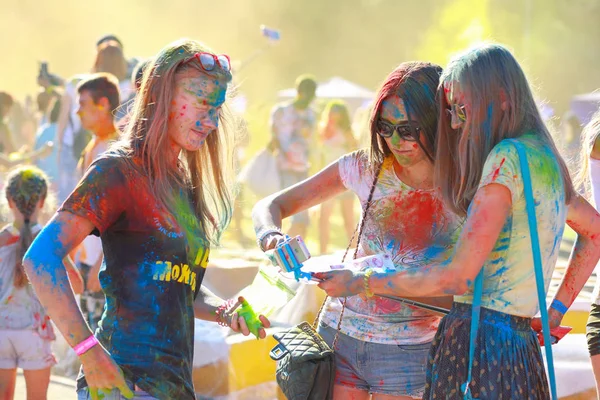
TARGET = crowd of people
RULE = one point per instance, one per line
(115, 201)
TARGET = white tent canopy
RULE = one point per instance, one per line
(585, 105)
(335, 88)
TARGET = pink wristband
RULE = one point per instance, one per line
(84, 346)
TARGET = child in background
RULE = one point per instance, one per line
(336, 139)
(25, 330)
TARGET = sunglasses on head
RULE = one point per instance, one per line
(457, 111)
(404, 129)
(209, 61)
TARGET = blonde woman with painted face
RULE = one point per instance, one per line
(383, 344)
(158, 200)
(484, 100)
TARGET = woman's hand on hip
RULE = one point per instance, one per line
(102, 373)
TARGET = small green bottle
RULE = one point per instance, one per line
(250, 317)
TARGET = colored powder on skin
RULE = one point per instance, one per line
(213, 95)
(395, 106)
(217, 97)
(43, 254)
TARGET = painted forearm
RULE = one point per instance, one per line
(582, 262)
(48, 276)
(206, 304)
(435, 281)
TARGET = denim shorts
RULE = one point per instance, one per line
(394, 370)
(115, 394)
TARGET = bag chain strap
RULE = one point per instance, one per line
(358, 230)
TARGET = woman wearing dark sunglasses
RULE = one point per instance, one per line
(158, 200)
(383, 345)
(495, 129)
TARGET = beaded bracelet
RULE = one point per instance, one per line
(221, 311)
(262, 234)
(366, 278)
(559, 306)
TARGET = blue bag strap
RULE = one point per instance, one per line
(539, 278)
(475, 312)
(537, 262)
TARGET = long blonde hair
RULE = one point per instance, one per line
(588, 137)
(502, 106)
(204, 176)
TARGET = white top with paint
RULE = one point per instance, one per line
(19, 307)
(415, 229)
(594, 174)
(509, 279)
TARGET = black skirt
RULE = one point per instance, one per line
(508, 362)
(593, 331)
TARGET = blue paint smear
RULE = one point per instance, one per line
(45, 253)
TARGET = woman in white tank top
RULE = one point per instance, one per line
(589, 176)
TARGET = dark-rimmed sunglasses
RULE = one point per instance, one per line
(208, 61)
(404, 129)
